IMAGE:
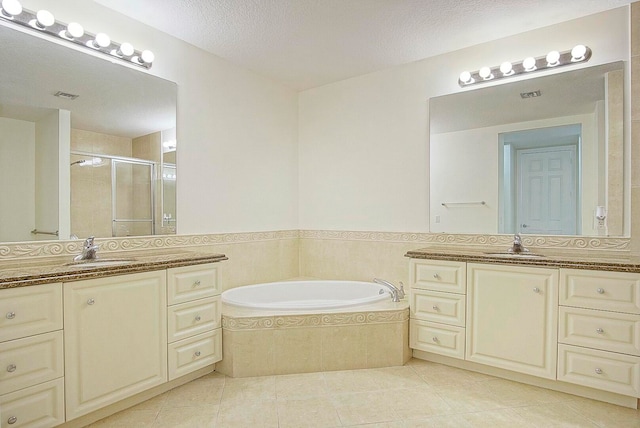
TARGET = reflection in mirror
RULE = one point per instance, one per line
(541, 156)
(81, 143)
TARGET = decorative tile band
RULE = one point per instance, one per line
(313, 320)
(536, 241)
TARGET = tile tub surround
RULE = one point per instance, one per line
(256, 343)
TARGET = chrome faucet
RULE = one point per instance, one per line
(517, 247)
(396, 293)
(89, 250)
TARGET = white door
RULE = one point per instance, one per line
(547, 191)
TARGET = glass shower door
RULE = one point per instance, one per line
(132, 197)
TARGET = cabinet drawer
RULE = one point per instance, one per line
(437, 338)
(194, 353)
(439, 275)
(447, 308)
(192, 282)
(38, 406)
(191, 318)
(608, 371)
(26, 311)
(610, 331)
(29, 361)
(612, 291)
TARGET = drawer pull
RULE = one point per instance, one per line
(536, 290)
(12, 420)
(11, 315)
(11, 368)
(435, 339)
(436, 276)
(197, 354)
(196, 283)
(91, 302)
(197, 318)
(600, 290)
(436, 308)
(599, 331)
(598, 370)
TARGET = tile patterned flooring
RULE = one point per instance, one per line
(420, 394)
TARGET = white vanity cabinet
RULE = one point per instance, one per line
(115, 339)
(599, 330)
(194, 318)
(512, 315)
(31, 357)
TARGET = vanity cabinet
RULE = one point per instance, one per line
(115, 339)
(599, 330)
(512, 315)
(31, 356)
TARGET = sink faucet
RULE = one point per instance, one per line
(517, 247)
(396, 293)
(88, 250)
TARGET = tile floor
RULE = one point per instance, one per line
(420, 394)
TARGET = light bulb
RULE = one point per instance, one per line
(506, 68)
(485, 73)
(465, 77)
(552, 58)
(44, 19)
(100, 41)
(147, 56)
(125, 49)
(73, 31)
(529, 64)
(11, 8)
(578, 52)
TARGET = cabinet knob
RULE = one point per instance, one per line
(599, 330)
(436, 276)
(600, 290)
(436, 308)
(90, 302)
(12, 420)
(435, 339)
(11, 315)
(11, 368)
(197, 353)
(197, 318)
(196, 282)
(598, 370)
(536, 290)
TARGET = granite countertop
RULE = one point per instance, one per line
(595, 262)
(24, 272)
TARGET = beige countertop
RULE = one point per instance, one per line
(595, 262)
(24, 272)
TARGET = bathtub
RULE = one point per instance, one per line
(311, 326)
(305, 295)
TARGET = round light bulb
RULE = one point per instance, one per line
(45, 18)
(126, 49)
(74, 30)
(147, 56)
(529, 64)
(11, 7)
(101, 41)
(485, 73)
(465, 77)
(578, 52)
(552, 58)
(506, 68)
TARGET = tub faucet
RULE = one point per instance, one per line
(517, 247)
(396, 293)
(88, 250)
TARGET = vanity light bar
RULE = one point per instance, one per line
(44, 22)
(578, 54)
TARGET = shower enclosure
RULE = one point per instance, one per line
(111, 195)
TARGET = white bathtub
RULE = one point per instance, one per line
(305, 295)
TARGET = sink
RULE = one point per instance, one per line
(100, 263)
(515, 255)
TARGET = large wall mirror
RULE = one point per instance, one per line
(87, 146)
(540, 156)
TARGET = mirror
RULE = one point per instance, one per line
(85, 165)
(541, 156)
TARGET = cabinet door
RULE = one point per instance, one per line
(512, 317)
(115, 339)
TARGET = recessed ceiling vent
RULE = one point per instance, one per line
(532, 94)
(66, 95)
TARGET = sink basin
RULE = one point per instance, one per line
(515, 255)
(100, 263)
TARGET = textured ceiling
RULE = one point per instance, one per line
(309, 43)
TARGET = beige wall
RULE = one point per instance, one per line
(635, 129)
